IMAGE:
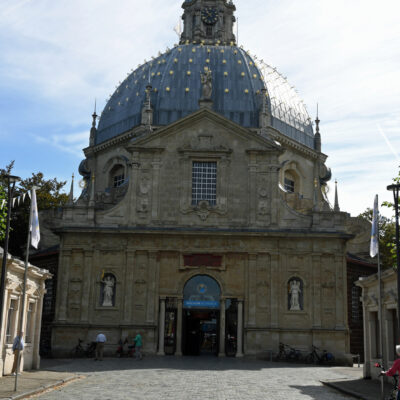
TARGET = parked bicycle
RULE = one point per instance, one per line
(79, 351)
(288, 353)
(393, 392)
(323, 357)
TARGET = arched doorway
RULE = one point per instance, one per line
(201, 316)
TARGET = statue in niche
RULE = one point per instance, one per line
(206, 81)
(108, 283)
(295, 295)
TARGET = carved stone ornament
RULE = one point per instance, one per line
(206, 82)
(295, 297)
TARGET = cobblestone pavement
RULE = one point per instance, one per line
(188, 378)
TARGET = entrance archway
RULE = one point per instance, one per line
(201, 316)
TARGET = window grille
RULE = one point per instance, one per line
(11, 321)
(119, 180)
(204, 182)
(289, 185)
(355, 304)
(28, 337)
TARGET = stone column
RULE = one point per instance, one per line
(178, 351)
(38, 325)
(86, 285)
(239, 335)
(221, 352)
(62, 287)
(161, 328)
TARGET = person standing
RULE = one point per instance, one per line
(100, 341)
(138, 346)
(18, 347)
(394, 370)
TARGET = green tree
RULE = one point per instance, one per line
(4, 200)
(49, 195)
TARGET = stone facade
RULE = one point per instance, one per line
(198, 177)
(263, 242)
(35, 291)
(370, 298)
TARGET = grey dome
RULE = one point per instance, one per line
(176, 90)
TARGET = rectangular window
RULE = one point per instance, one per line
(29, 326)
(118, 180)
(289, 185)
(12, 312)
(204, 182)
(209, 31)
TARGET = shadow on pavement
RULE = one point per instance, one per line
(320, 392)
(86, 365)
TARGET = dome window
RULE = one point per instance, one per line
(289, 184)
(117, 176)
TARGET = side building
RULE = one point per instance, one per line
(32, 317)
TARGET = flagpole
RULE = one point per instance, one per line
(21, 316)
(380, 307)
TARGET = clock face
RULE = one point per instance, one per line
(209, 15)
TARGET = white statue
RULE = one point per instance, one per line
(108, 291)
(295, 295)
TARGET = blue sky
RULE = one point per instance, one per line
(57, 57)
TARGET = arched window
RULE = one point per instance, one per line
(117, 176)
(201, 291)
(108, 284)
(295, 294)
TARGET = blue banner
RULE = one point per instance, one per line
(200, 304)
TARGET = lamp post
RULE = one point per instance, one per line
(395, 189)
(11, 181)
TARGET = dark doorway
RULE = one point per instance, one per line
(200, 332)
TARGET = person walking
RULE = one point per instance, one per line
(18, 347)
(138, 346)
(100, 340)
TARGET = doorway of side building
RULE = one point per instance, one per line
(201, 316)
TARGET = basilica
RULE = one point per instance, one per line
(203, 221)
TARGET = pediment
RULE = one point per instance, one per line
(208, 131)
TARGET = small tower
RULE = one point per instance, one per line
(264, 116)
(147, 110)
(336, 207)
(317, 136)
(93, 129)
(208, 21)
(71, 192)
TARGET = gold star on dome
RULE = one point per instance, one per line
(208, 50)
(226, 90)
(235, 52)
(127, 99)
(251, 62)
(175, 60)
(190, 60)
(155, 89)
(188, 73)
(254, 76)
(167, 89)
(194, 50)
(222, 50)
(187, 90)
(180, 49)
(137, 93)
(239, 61)
(246, 91)
(223, 61)
(208, 60)
(225, 73)
(242, 74)
(153, 74)
(126, 87)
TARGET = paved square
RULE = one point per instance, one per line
(187, 378)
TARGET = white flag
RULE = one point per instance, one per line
(35, 238)
(374, 246)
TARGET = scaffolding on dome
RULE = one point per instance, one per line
(286, 105)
